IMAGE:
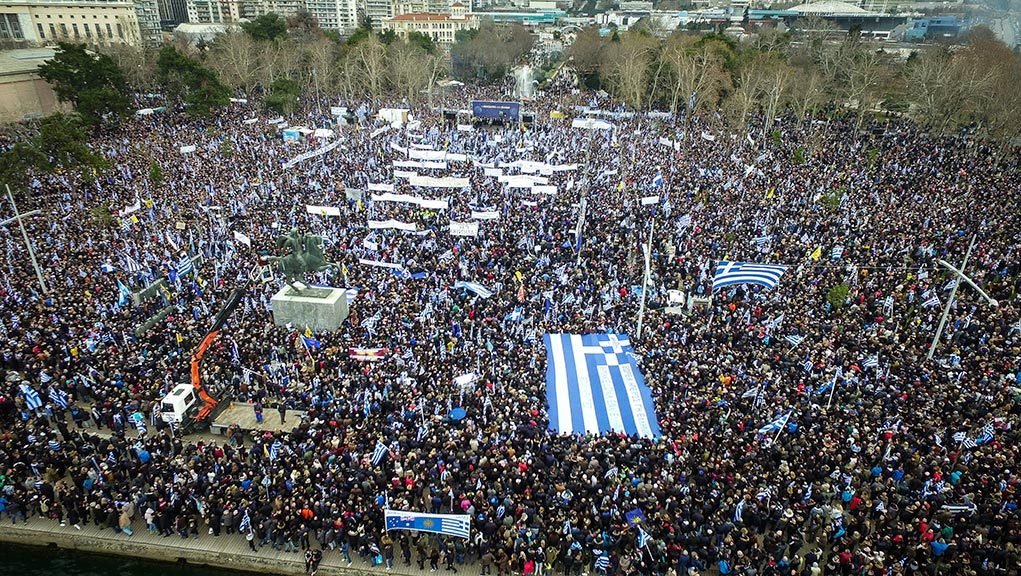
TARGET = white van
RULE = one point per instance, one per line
(180, 405)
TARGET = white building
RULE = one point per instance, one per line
(94, 22)
(214, 11)
(377, 10)
(148, 14)
(440, 27)
(340, 15)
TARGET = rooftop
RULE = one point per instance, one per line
(424, 16)
(22, 60)
(828, 7)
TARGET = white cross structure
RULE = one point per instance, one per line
(19, 218)
(959, 274)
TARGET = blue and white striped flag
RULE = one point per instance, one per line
(246, 523)
(765, 494)
(603, 563)
(351, 294)
(184, 265)
(837, 252)
(931, 301)
(871, 362)
(794, 340)
(379, 453)
(776, 424)
(131, 266)
(762, 241)
(594, 386)
(457, 525)
(475, 287)
(739, 511)
(58, 397)
(643, 538)
(274, 450)
(733, 273)
(988, 431)
(32, 399)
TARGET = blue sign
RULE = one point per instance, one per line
(496, 110)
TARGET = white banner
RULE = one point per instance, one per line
(379, 131)
(551, 190)
(464, 228)
(242, 239)
(371, 245)
(395, 224)
(323, 210)
(312, 153)
(380, 187)
(404, 174)
(380, 264)
(650, 200)
(485, 214)
(423, 164)
(446, 182)
(441, 204)
(398, 148)
(591, 124)
(420, 154)
(187, 149)
(492, 172)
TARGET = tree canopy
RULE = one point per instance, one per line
(194, 85)
(267, 27)
(92, 82)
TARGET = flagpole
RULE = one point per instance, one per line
(953, 293)
(645, 280)
(19, 218)
(783, 426)
(833, 388)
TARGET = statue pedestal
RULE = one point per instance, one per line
(321, 309)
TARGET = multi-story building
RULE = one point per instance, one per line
(284, 8)
(340, 15)
(96, 22)
(173, 12)
(421, 7)
(440, 27)
(377, 11)
(148, 14)
(214, 11)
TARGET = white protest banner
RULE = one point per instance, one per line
(420, 154)
(441, 204)
(398, 148)
(380, 187)
(353, 194)
(312, 153)
(492, 172)
(404, 174)
(708, 136)
(464, 228)
(395, 224)
(457, 157)
(323, 210)
(434, 165)
(370, 244)
(368, 262)
(650, 200)
(242, 238)
(276, 120)
(423, 146)
(250, 121)
(187, 149)
(591, 124)
(485, 214)
(426, 165)
(131, 208)
(551, 190)
(446, 182)
(379, 131)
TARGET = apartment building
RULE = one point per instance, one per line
(97, 22)
(340, 15)
(440, 27)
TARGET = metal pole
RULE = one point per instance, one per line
(28, 243)
(645, 281)
(946, 309)
(583, 202)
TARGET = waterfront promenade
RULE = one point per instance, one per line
(226, 551)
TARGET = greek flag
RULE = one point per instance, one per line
(379, 453)
(456, 525)
(739, 511)
(732, 273)
(794, 340)
(184, 265)
(776, 424)
(959, 436)
(274, 450)
(658, 180)
(593, 385)
(987, 434)
(139, 421)
(131, 266)
(761, 241)
(765, 494)
(837, 252)
(351, 294)
(643, 538)
(871, 361)
(32, 399)
(475, 287)
(246, 523)
(58, 397)
(931, 301)
(603, 562)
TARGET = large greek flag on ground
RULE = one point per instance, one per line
(593, 385)
(450, 524)
(731, 273)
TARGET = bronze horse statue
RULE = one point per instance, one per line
(304, 255)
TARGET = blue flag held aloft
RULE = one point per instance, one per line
(635, 517)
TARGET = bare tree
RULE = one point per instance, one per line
(696, 73)
(627, 67)
(368, 58)
(237, 59)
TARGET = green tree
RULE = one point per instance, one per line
(283, 96)
(423, 41)
(59, 145)
(837, 295)
(92, 82)
(266, 27)
(188, 81)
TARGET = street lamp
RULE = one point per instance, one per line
(958, 275)
(19, 218)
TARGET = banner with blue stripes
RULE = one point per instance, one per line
(458, 525)
(593, 385)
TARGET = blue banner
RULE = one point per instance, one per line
(450, 524)
(496, 110)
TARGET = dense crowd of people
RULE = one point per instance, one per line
(887, 464)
